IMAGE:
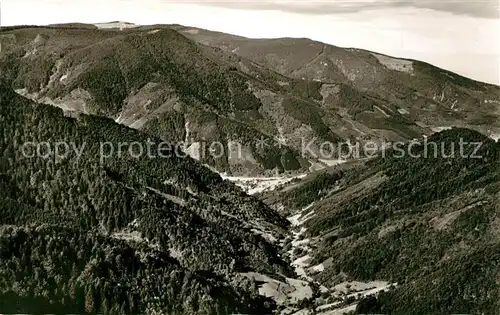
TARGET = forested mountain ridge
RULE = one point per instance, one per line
(195, 86)
(159, 82)
(124, 234)
(429, 225)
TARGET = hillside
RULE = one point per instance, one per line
(100, 212)
(414, 92)
(302, 57)
(157, 82)
(85, 230)
(197, 87)
(428, 225)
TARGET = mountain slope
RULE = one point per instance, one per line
(423, 94)
(271, 96)
(159, 82)
(430, 225)
(122, 232)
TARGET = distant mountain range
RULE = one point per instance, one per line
(195, 86)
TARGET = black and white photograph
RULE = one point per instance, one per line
(255, 157)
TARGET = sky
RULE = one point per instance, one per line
(461, 36)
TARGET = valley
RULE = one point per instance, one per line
(241, 210)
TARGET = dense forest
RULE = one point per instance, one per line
(81, 233)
